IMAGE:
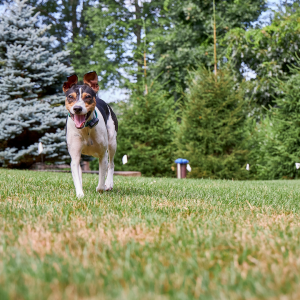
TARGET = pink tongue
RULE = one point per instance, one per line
(79, 120)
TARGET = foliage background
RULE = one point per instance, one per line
(152, 51)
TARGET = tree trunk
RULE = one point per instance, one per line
(75, 29)
(138, 32)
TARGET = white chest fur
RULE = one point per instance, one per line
(88, 141)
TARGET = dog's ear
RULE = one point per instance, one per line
(72, 80)
(91, 79)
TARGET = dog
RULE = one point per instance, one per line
(91, 129)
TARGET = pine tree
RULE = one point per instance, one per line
(210, 135)
(146, 132)
(276, 140)
(30, 86)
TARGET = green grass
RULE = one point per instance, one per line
(148, 238)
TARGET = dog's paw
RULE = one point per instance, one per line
(109, 184)
(108, 188)
(80, 195)
(99, 190)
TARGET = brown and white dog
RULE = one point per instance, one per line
(91, 129)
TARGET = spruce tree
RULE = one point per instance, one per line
(146, 132)
(276, 146)
(31, 75)
(210, 135)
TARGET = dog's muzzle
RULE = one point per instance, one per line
(80, 120)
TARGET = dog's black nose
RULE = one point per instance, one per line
(77, 109)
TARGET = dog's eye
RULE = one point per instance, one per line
(71, 97)
(88, 97)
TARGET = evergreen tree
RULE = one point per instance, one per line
(146, 132)
(210, 135)
(30, 86)
(275, 142)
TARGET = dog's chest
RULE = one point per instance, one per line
(88, 144)
(93, 144)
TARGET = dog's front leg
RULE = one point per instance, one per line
(80, 175)
(112, 147)
(102, 172)
(75, 153)
(76, 170)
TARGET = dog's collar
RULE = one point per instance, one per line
(92, 123)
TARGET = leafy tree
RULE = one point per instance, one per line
(186, 37)
(179, 35)
(146, 132)
(211, 135)
(30, 85)
(114, 46)
(269, 51)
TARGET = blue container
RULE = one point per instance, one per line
(181, 167)
(181, 161)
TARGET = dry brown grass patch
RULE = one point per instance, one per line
(37, 238)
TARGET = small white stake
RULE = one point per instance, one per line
(124, 159)
(297, 165)
(247, 167)
(40, 148)
(188, 167)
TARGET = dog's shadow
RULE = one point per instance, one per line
(136, 187)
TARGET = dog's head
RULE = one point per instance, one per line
(81, 99)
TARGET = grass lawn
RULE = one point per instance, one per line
(148, 239)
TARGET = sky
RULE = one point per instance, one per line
(272, 4)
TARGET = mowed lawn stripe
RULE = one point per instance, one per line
(149, 238)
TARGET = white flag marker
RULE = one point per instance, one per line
(248, 167)
(188, 167)
(40, 148)
(297, 165)
(124, 159)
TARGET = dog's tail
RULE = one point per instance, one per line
(114, 117)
